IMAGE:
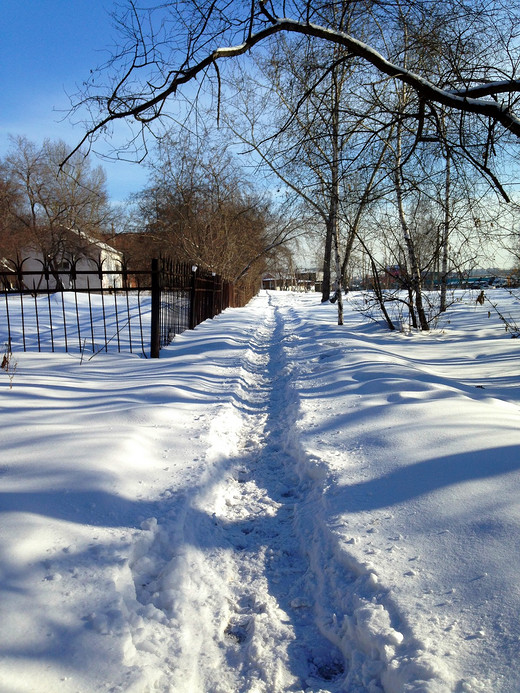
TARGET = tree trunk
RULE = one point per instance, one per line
(339, 283)
(325, 287)
(411, 308)
(379, 294)
(416, 281)
(334, 201)
(445, 233)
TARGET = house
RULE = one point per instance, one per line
(82, 262)
(310, 279)
(299, 280)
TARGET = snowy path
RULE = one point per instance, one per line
(277, 504)
(243, 567)
(261, 597)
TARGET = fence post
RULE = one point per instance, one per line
(214, 288)
(155, 337)
(193, 298)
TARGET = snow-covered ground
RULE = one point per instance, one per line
(276, 504)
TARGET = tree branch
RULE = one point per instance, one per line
(469, 100)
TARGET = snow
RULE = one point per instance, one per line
(276, 504)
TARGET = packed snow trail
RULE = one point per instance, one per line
(237, 560)
(249, 583)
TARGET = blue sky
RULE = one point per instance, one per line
(47, 48)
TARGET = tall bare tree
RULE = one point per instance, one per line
(170, 46)
(52, 210)
(456, 62)
(201, 207)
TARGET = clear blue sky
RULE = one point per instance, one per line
(47, 48)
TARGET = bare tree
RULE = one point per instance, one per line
(200, 207)
(176, 44)
(306, 125)
(439, 74)
(11, 230)
(52, 209)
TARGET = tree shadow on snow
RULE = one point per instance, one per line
(415, 480)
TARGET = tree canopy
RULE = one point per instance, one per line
(466, 54)
(48, 209)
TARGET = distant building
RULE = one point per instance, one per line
(84, 263)
(309, 279)
(300, 280)
(269, 281)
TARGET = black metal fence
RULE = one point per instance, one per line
(123, 311)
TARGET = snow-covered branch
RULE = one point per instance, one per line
(147, 106)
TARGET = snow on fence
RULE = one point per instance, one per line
(118, 311)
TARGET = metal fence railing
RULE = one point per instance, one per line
(113, 311)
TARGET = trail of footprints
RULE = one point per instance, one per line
(267, 634)
(258, 516)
